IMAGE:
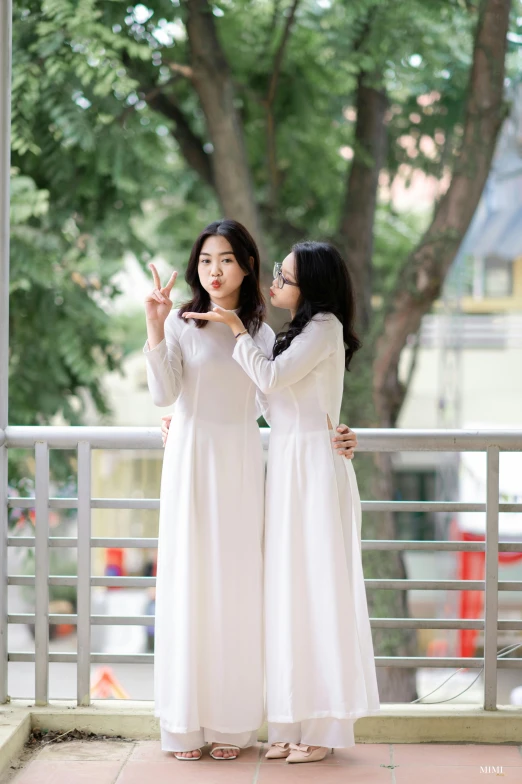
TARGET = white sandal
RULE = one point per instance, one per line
(225, 748)
(188, 759)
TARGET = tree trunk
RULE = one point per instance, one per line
(213, 83)
(358, 216)
(420, 280)
(418, 285)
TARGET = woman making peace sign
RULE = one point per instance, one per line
(208, 638)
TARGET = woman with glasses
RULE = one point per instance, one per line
(320, 670)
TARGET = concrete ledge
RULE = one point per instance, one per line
(441, 724)
(15, 728)
(397, 723)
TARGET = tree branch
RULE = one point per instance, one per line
(214, 85)
(358, 215)
(420, 280)
(190, 144)
(179, 68)
(269, 103)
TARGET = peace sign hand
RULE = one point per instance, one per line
(157, 302)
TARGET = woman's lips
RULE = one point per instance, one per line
(215, 284)
(272, 293)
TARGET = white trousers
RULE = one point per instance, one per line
(332, 733)
(189, 741)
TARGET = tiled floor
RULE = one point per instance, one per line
(143, 762)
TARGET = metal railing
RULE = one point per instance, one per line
(85, 439)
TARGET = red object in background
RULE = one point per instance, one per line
(471, 567)
(114, 564)
(64, 629)
(105, 685)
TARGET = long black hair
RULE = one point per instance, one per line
(326, 287)
(252, 306)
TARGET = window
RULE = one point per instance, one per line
(498, 277)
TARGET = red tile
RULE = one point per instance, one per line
(68, 772)
(363, 754)
(416, 774)
(440, 754)
(173, 771)
(317, 772)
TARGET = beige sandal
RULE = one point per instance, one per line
(301, 752)
(278, 751)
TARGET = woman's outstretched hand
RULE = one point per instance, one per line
(157, 302)
(219, 314)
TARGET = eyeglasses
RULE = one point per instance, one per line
(278, 273)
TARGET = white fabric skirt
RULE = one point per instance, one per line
(319, 653)
(332, 733)
(190, 741)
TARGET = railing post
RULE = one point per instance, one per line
(491, 580)
(41, 582)
(6, 16)
(4, 530)
(83, 599)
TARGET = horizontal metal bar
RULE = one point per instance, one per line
(403, 440)
(403, 544)
(97, 437)
(14, 502)
(71, 541)
(96, 620)
(433, 506)
(367, 544)
(125, 542)
(393, 585)
(116, 582)
(426, 585)
(376, 623)
(96, 658)
(380, 661)
(369, 439)
(426, 623)
(436, 661)
(440, 585)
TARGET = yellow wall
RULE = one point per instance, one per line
(125, 474)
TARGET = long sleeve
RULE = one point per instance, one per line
(317, 341)
(267, 339)
(165, 364)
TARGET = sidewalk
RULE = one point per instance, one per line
(143, 762)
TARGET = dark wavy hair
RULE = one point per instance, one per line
(326, 287)
(252, 306)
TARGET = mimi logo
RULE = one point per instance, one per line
(497, 769)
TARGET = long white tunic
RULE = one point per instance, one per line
(208, 641)
(319, 650)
